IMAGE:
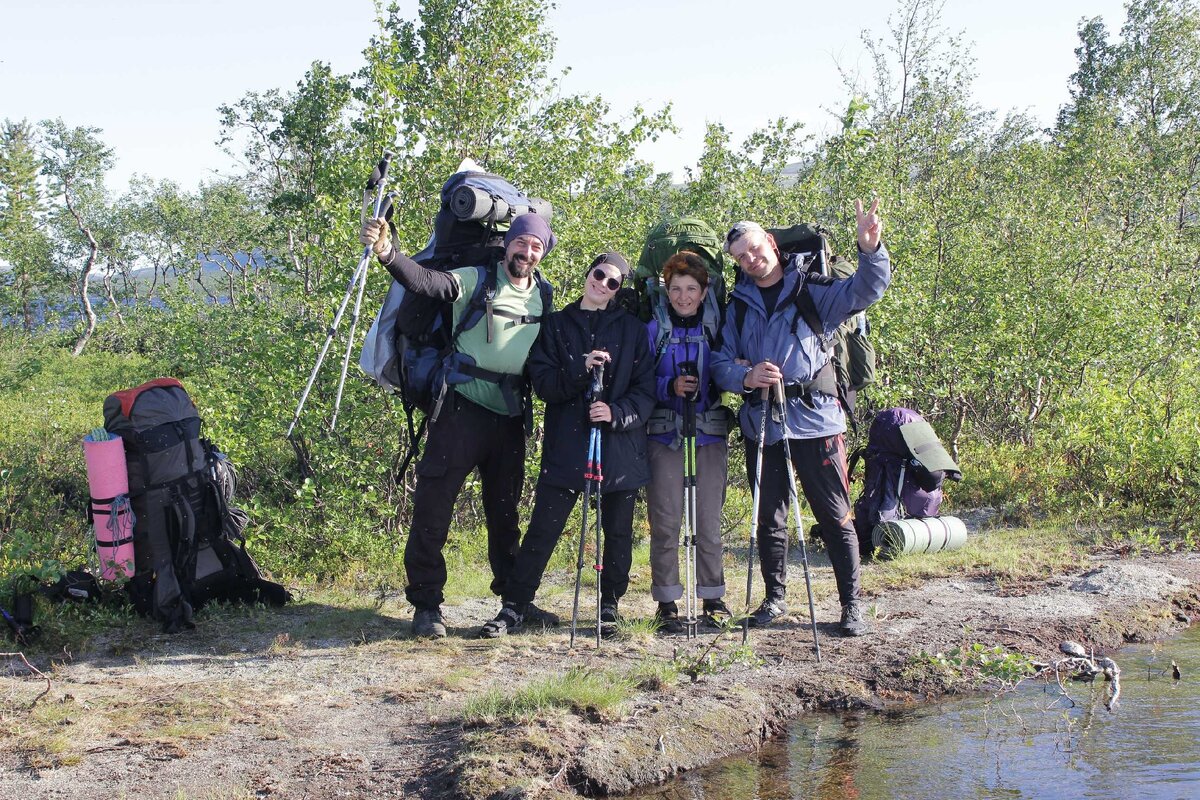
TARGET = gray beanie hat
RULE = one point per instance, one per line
(533, 225)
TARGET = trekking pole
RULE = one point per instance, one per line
(383, 209)
(593, 444)
(754, 506)
(376, 183)
(689, 515)
(795, 501)
(599, 518)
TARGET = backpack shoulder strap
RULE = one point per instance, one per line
(479, 306)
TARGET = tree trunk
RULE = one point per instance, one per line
(86, 301)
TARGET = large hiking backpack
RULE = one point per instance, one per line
(663, 241)
(849, 346)
(410, 347)
(188, 542)
(906, 466)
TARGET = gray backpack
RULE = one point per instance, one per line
(188, 543)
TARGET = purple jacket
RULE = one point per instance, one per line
(683, 345)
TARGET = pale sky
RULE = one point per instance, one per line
(151, 74)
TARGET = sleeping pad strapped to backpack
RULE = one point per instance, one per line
(188, 543)
(905, 468)
(412, 341)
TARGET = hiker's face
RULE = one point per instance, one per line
(523, 254)
(685, 294)
(755, 254)
(602, 283)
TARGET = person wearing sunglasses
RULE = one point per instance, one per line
(594, 331)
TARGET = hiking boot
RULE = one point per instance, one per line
(853, 623)
(716, 613)
(667, 619)
(770, 609)
(538, 617)
(427, 624)
(609, 617)
(509, 620)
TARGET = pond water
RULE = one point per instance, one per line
(1031, 743)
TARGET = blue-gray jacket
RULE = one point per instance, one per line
(801, 356)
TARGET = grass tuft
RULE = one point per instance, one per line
(578, 690)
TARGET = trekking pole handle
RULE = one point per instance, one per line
(379, 174)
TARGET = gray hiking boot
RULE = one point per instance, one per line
(509, 620)
(770, 609)
(853, 623)
(427, 624)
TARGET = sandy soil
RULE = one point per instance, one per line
(319, 702)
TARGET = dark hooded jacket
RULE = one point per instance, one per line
(556, 368)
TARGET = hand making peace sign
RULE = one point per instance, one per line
(870, 226)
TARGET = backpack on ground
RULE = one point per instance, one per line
(849, 346)
(410, 347)
(906, 466)
(188, 541)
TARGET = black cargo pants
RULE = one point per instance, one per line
(820, 466)
(464, 437)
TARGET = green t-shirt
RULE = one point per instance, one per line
(509, 348)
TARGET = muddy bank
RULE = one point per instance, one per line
(734, 711)
(333, 701)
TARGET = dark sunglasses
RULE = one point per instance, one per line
(611, 283)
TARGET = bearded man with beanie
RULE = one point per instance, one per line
(767, 342)
(481, 420)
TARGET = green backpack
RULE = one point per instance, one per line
(665, 240)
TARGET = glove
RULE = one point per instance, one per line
(375, 235)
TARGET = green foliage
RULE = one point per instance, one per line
(975, 662)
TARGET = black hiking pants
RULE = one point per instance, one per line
(551, 507)
(465, 436)
(820, 466)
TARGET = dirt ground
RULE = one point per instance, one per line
(315, 701)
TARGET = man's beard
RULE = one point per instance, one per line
(519, 266)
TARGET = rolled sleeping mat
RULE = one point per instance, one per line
(919, 535)
(469, 203)
(110, 512)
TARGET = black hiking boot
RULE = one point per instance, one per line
(609, 617)
(509, 620)
(771, 609)
(715, 613)
(428, 624)
(667, 619)
(538, 617)
(853, 623)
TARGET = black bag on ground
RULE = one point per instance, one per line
(188, 543)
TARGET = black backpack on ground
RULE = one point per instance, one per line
(188, 542)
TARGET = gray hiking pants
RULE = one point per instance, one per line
(664, 506)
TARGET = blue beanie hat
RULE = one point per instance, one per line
(533, 225)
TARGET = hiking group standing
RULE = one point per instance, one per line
(656, 414)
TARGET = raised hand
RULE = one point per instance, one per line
(870, 226)
(374, 234)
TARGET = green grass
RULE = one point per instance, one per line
(578, 690)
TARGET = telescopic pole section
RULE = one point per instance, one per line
(762, 436)
(794, 499)
(377, 183)
(593, 443)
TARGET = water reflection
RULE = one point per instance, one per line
(1032, 743)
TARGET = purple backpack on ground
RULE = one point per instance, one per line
(905, 468)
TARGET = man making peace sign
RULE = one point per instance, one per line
(769, 333)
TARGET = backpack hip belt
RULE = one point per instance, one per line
(716, 421)
(825, 382)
